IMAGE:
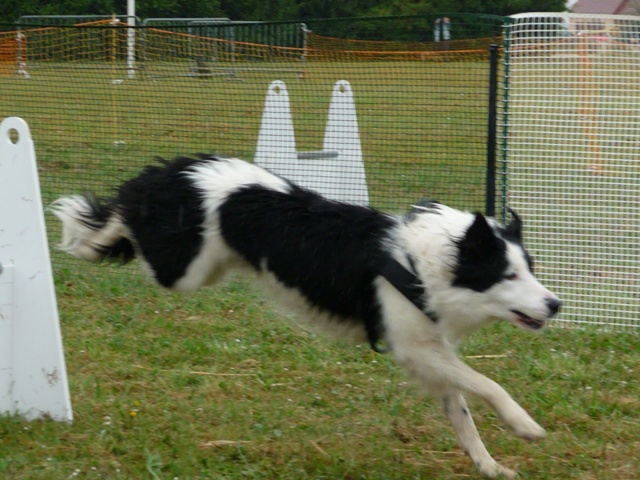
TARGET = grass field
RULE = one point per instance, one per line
(419, 122)
(215, 385)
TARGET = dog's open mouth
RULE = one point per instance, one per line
(528, 322)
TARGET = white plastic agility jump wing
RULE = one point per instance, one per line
(33, 377)
(338, 170)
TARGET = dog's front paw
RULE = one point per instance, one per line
(523, 425)
(507, 473)
(528, 429)
(495, 470)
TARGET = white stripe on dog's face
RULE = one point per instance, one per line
(475, 271)
(519, 297)
(493, 264)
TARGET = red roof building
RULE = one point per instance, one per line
(621, 7)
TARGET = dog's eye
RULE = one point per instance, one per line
(511, 276)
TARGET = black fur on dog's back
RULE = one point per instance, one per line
(298, 234)
(163, 211)
(330, 252)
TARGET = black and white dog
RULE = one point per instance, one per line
(417, 284)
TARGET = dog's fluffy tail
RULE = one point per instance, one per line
(92, 230)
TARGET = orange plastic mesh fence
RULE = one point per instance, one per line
(322, 47)
(103, 99)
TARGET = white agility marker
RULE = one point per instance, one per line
(337, 171)
(33, 377)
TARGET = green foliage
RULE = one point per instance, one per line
(175, 8)
(290, 9)
(270, 10)
(11, 10)
(215, 385)
(499, 7)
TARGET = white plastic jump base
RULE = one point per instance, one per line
(33, 377)
(337, 171)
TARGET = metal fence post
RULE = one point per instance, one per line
(492, 121)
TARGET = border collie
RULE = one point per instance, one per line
(413, 285)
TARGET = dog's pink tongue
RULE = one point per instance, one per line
(529, 322)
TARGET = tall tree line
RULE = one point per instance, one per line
(270, 10)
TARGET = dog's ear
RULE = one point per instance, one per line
(479, 241)
(481, 261)
(514, 229)
(479, 236)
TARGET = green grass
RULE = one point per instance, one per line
(420, 123)
(215, 385)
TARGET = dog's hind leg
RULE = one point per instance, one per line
(455, 407)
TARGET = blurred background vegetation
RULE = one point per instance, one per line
(271, 10)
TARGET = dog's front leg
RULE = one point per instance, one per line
(467, 380)
(433, 364)
(455, 407)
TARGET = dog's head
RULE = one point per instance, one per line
(491, 260)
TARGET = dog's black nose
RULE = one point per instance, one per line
(553, 304)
